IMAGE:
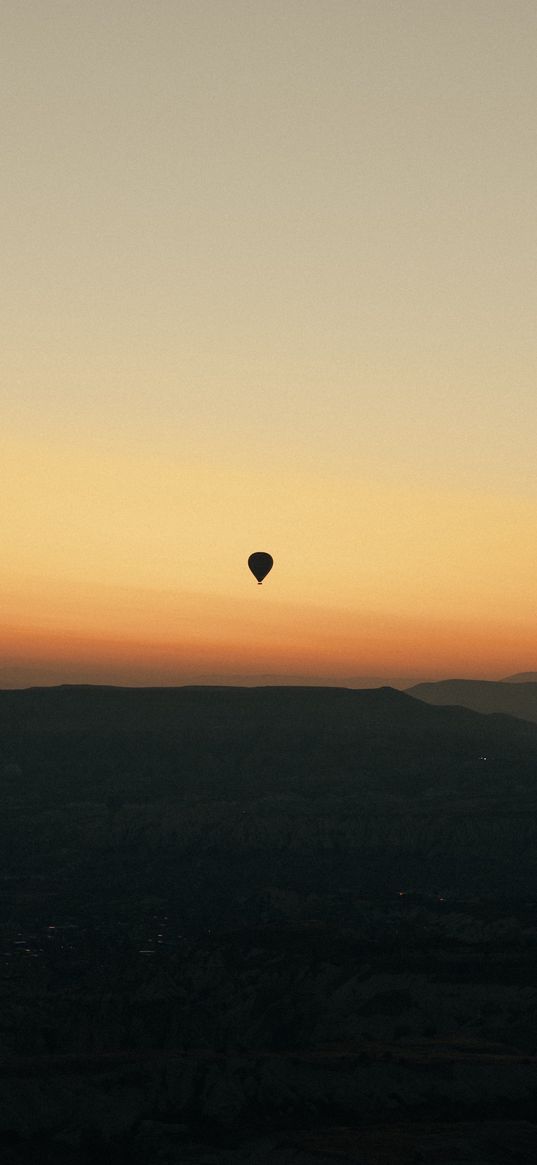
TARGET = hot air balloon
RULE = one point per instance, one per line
(260, 563)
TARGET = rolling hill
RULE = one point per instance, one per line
(512, 697)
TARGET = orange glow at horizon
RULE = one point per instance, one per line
(371, 577)
(226, 639)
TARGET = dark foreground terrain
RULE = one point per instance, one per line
(266, 925)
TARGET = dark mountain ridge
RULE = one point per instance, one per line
(82, 742)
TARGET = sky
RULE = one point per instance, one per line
(269, 283)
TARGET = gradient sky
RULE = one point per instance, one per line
(269, 283)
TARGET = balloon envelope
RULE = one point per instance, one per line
(260, 563)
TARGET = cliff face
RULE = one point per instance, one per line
(302, 922)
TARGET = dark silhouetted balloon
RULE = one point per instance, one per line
(260, 563)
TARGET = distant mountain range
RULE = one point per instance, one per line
(20, 678)
(12, 678)
(514, 696)
(286, 681)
